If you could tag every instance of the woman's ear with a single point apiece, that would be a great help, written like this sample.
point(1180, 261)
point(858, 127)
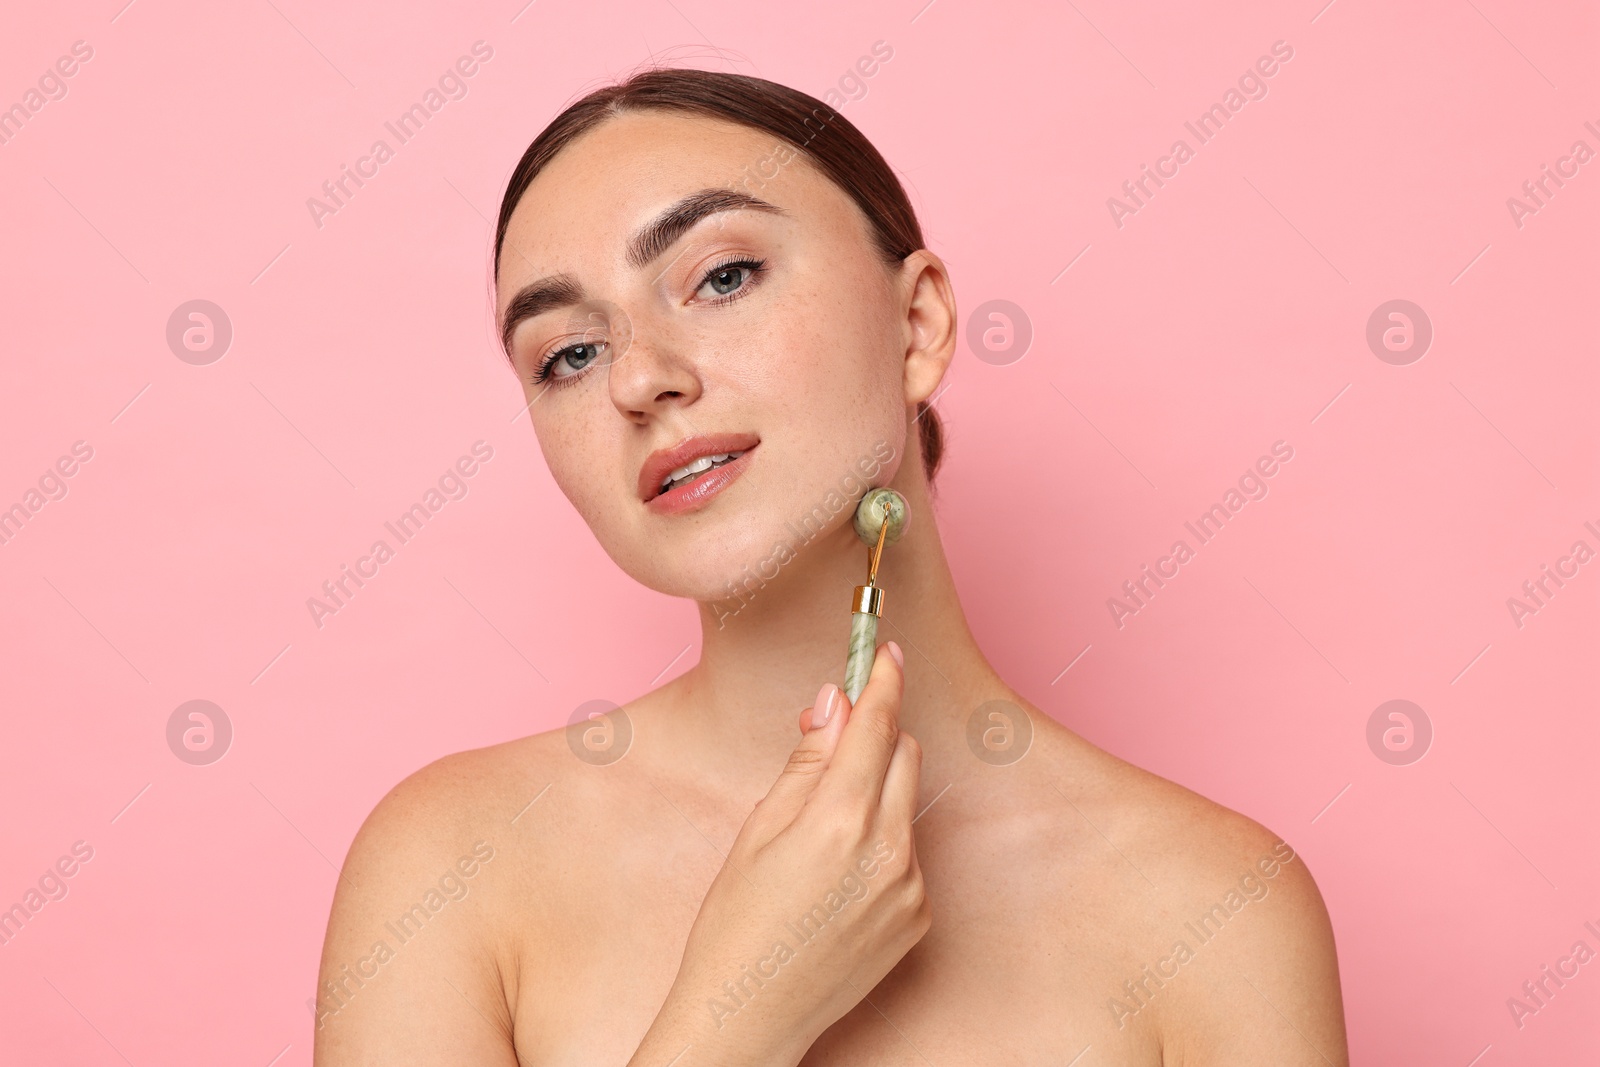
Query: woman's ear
point(930, 319)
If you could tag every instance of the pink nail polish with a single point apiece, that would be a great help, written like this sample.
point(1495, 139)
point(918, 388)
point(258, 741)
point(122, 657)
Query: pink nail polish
point(822, 710)
point(899, 657)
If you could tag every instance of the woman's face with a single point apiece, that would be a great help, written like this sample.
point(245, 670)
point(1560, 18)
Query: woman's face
point(654, 318)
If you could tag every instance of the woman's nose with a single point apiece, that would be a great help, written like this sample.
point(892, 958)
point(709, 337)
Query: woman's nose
point(649, 373)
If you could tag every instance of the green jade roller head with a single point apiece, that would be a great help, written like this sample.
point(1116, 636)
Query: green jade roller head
point(881, 517)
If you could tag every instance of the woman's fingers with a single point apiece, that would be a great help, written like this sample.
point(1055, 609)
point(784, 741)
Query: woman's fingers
point(857, 742)
point(809, 759)
point(873, 729)
point(902, 782)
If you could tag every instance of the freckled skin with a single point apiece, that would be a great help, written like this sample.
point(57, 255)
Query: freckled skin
point(806, 360)
point(1054, 880)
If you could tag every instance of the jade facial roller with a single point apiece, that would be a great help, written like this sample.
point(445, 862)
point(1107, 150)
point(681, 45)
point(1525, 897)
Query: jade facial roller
point(881, 516)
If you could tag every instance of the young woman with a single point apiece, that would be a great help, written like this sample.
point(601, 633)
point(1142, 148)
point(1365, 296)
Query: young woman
point(695, 265)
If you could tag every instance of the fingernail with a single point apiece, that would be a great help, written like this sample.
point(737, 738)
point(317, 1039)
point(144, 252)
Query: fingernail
point(899, 657)
point(822, 710)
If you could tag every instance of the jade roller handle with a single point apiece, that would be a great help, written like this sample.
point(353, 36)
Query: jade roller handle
point(881, 516)
point(863, 643)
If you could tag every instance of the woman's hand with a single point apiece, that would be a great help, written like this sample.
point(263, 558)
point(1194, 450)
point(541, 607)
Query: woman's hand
point(819, 898)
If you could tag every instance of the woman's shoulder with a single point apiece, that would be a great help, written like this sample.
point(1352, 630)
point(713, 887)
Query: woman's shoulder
point(486, 792)
point(1201, 880)
point(421, 899)
point(1184, 835)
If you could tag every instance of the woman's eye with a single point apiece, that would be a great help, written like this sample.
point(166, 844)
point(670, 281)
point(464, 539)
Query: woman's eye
point(565, 362)
point(729, 279)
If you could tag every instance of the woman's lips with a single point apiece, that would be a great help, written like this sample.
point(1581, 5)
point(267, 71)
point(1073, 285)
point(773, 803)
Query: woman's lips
point(697, 492)
point(659, 465)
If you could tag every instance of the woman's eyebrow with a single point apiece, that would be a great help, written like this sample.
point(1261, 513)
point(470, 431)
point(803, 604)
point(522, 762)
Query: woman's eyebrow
point(659, 234)
point(546, 294)
point(563, 290)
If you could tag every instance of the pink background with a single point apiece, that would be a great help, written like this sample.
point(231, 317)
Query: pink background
point(1228, 313)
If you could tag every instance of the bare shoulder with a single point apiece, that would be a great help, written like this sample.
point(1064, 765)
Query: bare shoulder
point(1182, 836)
point(417, 906)
point(480, 800)
point(463, 793)
point(1242, 965)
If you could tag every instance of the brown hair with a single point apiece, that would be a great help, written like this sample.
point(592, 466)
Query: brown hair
point(819, 132)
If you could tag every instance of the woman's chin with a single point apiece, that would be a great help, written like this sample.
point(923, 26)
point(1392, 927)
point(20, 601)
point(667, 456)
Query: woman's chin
point(712, 585)
point(735, 558)
point(715, 572)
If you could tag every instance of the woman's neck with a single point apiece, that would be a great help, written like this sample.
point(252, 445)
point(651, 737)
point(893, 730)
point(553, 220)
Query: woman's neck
point(765, 652)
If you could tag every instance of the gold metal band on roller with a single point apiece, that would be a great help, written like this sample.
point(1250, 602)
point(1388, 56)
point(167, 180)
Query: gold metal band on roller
point(868, 601)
